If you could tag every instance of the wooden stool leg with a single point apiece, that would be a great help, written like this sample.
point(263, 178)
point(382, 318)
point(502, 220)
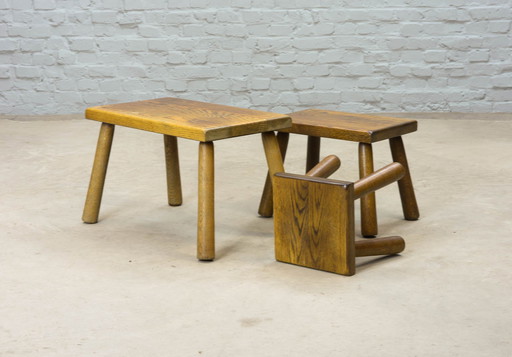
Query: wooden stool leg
point(409, 204)
point(99, 172)
point(368, 209)
point(272, 153)
point(266, 203)
point(206, 203)
point(172, 165)
point(313, 153)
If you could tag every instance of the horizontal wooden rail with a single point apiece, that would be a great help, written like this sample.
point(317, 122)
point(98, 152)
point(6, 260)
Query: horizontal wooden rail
point(380, 246)
point(378, 179)
point(326, 167)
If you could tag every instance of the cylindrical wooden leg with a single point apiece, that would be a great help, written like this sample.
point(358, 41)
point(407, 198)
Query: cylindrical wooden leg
point(266, 203)
point(409, 204)
point(272, 153)
point(172, 165)
point(313, 153)
point(99, 171)
point(368, 209)
point(206, 202)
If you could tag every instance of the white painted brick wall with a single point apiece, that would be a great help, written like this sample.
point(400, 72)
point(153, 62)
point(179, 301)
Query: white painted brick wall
point(60, 56)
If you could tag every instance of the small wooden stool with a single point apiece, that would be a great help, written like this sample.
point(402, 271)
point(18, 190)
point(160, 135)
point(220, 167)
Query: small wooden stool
point(365, 129)
point(172, 117)
point(314, 220)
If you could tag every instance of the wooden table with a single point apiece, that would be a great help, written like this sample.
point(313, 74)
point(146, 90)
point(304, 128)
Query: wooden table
point(172, 117)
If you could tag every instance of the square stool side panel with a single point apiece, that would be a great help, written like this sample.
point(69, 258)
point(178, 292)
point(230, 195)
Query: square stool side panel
point(314, 223)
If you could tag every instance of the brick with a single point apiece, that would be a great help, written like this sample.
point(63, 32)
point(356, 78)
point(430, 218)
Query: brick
point(220, 57)
point(104, 17)
point(5, 84)
point(280, 85)
point(279, 30)
point(132, 71)
point(411, 30)
point(44, 4)
point(136, 45)
point(176, 86)
point(158, 45)
point(502, 82)
point(8, 45)
point(282, 58)
point(82, 44)
point(20, 4)
point(32, 45)
point(193, 30)
point(479, 56)
point(499, 26)
point(435, 56)
point(218, 84)
point(490, 13)
point(27, 72)
point(313, 43)
point(145, 4)
point(369, 83)
point(5, 72)
point(43, 59)
point(260, 84)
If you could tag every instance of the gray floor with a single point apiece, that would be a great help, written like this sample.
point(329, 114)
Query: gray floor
point(131, 286)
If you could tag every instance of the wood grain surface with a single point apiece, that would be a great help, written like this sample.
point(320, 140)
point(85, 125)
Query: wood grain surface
point(378, 179)
point(348, 126)
point(189, 119)
point(206, 203)
point(98, 174)
point(266, 207)
point(172, 167)
point(314, 223)
point(409, 204)
point(369, 227)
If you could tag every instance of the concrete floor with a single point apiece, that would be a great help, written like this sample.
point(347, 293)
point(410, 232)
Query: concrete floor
point(131, 286)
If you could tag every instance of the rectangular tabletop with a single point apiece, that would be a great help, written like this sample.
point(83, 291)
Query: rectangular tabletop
point(189, 119)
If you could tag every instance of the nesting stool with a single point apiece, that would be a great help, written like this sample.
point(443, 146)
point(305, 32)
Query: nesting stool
point(314, 219)
point(172, 117)
point(361, 128)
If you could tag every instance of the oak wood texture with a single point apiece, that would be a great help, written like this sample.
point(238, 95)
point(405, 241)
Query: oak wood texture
point(266, 205)
point(380, 246)
point(99, 172)
point(369, 227)
point(326, 167)
point(189, 119)
point(378, 179)
point(314, 221)
point(407, 196)
point(272, 153)
point(172, 166)
point(203, 122)
point(206, 204)
point(362, 128)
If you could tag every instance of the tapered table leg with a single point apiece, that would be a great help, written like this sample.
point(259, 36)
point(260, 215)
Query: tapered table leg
point(409, 204)
point(172, 165)
point(369, 226)
point(313, 152)
point(206, 194)
point(266, 203)
point(98, 174)
point(272, 153)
